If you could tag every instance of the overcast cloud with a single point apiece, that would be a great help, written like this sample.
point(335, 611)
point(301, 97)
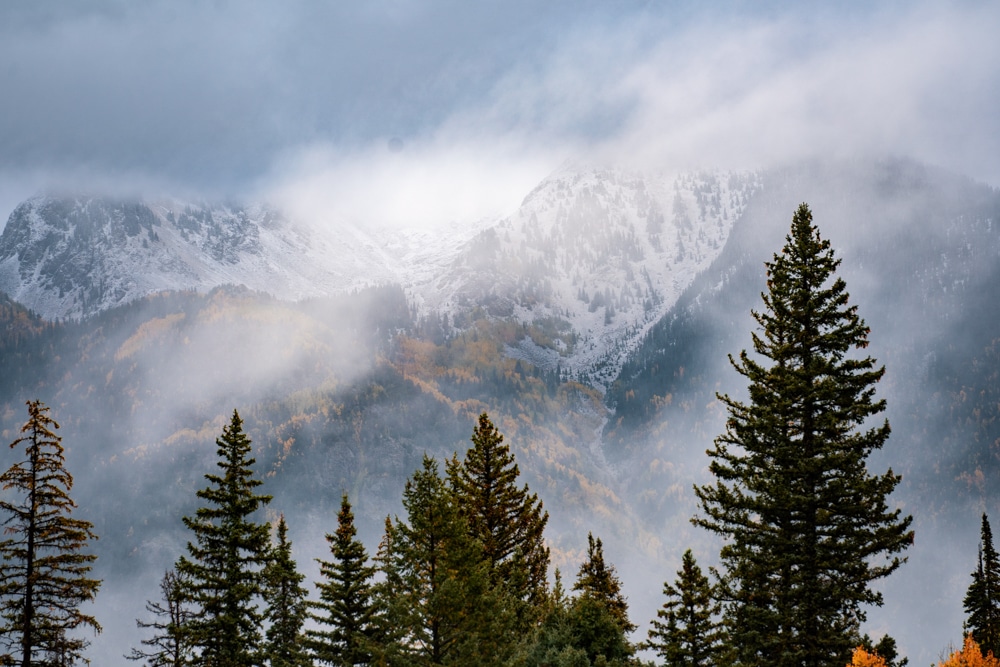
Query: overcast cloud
point(389, 109)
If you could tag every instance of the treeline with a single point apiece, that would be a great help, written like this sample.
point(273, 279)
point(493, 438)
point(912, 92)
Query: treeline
point(461, 579)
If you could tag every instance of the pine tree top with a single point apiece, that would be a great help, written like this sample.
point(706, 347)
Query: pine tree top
point(508, 520)
point(599, 580)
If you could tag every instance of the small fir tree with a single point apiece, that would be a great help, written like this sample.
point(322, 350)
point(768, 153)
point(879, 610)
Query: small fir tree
point(807, 528)
point(286, 606)
point(982, 600)
point(685, 632)
point(599, 581)
point(44, 565)
point(390, 647)
point(885, 649)
point(346, 610)
point(508, 520)
point(223, 571)
point(169, 646)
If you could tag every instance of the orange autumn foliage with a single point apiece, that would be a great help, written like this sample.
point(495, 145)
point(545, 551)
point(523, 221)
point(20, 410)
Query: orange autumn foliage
point(970, 656)
point(863, 658)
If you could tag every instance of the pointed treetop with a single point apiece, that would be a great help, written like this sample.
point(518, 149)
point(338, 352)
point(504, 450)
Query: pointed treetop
point(507, 520)
point(600, 581)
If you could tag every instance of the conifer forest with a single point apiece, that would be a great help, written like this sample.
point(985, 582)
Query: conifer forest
point(801, 513)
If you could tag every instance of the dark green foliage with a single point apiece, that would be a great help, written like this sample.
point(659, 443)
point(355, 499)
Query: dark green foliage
point(599, 581)
point(223, 573)
point(439, 599)
point(685, 632)
point(807, 528)
point(346, 611)
point(982, 600)
point(508, 521)
point(170, 646)
point(578, 633)
point(44, 564)
point(286, 606)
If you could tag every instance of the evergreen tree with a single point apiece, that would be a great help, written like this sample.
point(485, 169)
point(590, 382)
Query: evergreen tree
point(581, 632)
point(346, 607)
point(390, 647)
point(599, 581)
point(587, 630)
point(508, 521)
point(982, 600)
point(223, 573)
point(169, 647)
point(885, 651)
point(807, 527)
point(685, 632)
point(447, 612)
point(286, 611)
point(44, 566)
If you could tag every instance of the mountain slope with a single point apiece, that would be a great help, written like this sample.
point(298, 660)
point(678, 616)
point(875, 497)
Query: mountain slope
point(77, 256)
point(603, 251)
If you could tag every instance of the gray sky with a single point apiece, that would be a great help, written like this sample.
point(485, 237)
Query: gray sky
point(300, 101)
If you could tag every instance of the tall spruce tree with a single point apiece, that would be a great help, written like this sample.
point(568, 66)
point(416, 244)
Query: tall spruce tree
point(807, 528)
point(223, 571)
point(346, 610)
point(685, 632)
point(508, 520)
point(599, 581)
point(44, 565)
point(286, 605)
point(982, 600)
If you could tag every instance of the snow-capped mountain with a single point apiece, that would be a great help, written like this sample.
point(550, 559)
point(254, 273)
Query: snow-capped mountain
point(602, 253)
point(73, 257)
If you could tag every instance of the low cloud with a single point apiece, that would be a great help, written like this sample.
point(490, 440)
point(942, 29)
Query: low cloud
point(235, 100)
point(394, 184)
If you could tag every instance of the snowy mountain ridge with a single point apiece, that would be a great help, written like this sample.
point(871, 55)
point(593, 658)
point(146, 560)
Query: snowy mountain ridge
point(70, 258)
point(600, 252)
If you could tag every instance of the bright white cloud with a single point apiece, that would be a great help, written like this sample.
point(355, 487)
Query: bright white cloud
point(422, 185)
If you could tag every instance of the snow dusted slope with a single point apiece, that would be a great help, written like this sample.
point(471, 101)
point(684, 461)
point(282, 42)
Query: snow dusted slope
point(598, 255)
point(604, 251)
point(72, 257)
